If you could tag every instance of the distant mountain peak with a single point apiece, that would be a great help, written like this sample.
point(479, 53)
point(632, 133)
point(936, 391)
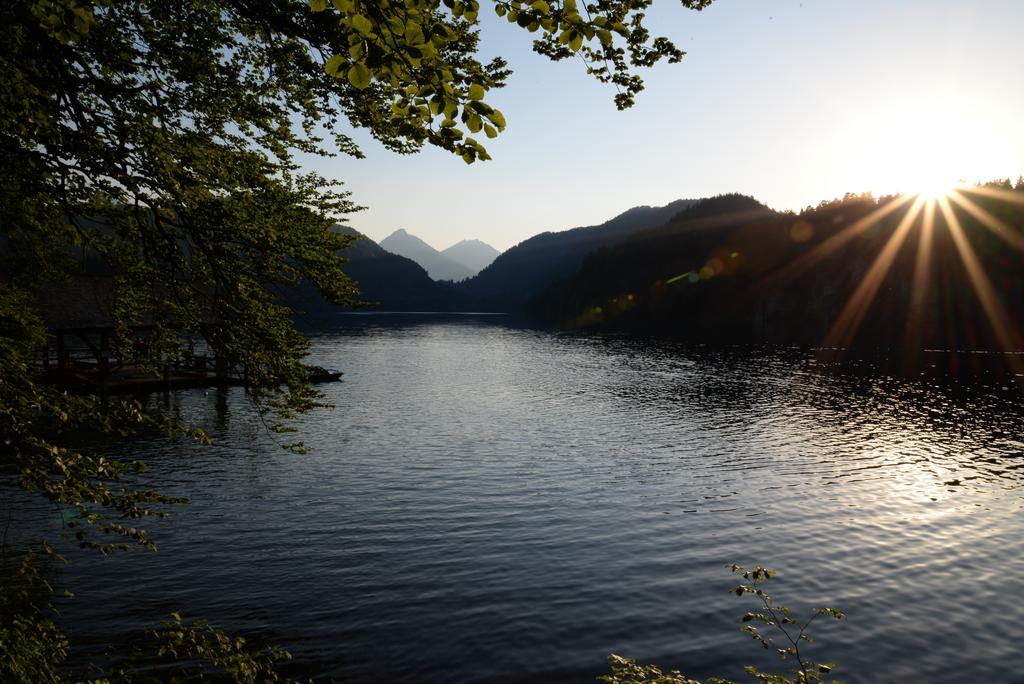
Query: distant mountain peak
point(393, 282)
point(437, 265)
point(476, 255)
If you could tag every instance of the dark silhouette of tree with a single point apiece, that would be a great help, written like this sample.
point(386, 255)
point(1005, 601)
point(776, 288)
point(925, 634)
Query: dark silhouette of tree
point(158, 139)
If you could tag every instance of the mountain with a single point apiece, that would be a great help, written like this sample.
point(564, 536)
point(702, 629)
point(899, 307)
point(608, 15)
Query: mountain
point(627, 284)
point(845, 274)
point(389, 281)
point(437, 265)
point(473, 254)
point(523, 271)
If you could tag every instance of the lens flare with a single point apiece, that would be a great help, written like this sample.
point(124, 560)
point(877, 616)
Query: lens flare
point(935, 189)
point(936, 199)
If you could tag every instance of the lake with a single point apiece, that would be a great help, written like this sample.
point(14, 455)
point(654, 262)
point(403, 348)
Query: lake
point(487, 503)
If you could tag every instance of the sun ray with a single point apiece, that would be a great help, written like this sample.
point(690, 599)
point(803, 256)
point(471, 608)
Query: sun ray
point(997, 317)
point(999, 228)
point(833, 244)
point(1016, 197)
point(922, 275)
point(849, 320)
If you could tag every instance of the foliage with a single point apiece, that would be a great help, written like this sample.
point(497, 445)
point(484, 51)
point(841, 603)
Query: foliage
point(160, 137)
point(168, 161)
point(786, 630)
point(179, 651)
point(159, 140)
point(781, 623)
point(41, 425)
point(31, 646)
point(626, 671)
point(410, 58)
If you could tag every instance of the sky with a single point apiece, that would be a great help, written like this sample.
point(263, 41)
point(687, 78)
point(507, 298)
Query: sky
point(790, 101)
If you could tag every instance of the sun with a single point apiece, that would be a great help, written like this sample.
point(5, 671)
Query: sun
point(929, 174)
point(933, 190)
point(923, 143)
point(924, 169)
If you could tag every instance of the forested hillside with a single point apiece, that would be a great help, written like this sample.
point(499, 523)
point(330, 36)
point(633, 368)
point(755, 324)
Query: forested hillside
point(523, 271)
point(859, 271)
point(386, 282)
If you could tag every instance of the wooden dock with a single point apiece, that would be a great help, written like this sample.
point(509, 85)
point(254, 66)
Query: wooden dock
point(80, 359)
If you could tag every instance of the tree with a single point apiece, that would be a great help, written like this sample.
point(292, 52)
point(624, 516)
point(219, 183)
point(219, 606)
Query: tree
point(160, 138)
point(779, 627)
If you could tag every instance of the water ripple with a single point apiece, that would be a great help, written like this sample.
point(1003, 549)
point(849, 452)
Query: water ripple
point(493, 504)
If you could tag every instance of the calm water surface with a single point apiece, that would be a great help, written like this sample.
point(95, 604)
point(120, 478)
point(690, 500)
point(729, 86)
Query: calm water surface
point(493, 504)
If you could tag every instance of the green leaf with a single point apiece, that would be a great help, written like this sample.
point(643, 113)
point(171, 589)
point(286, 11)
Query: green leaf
point(476, 92)
point(333, 65)
point(361, 24)
point(414, 34)
point(498, 119)
point(359, 76)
